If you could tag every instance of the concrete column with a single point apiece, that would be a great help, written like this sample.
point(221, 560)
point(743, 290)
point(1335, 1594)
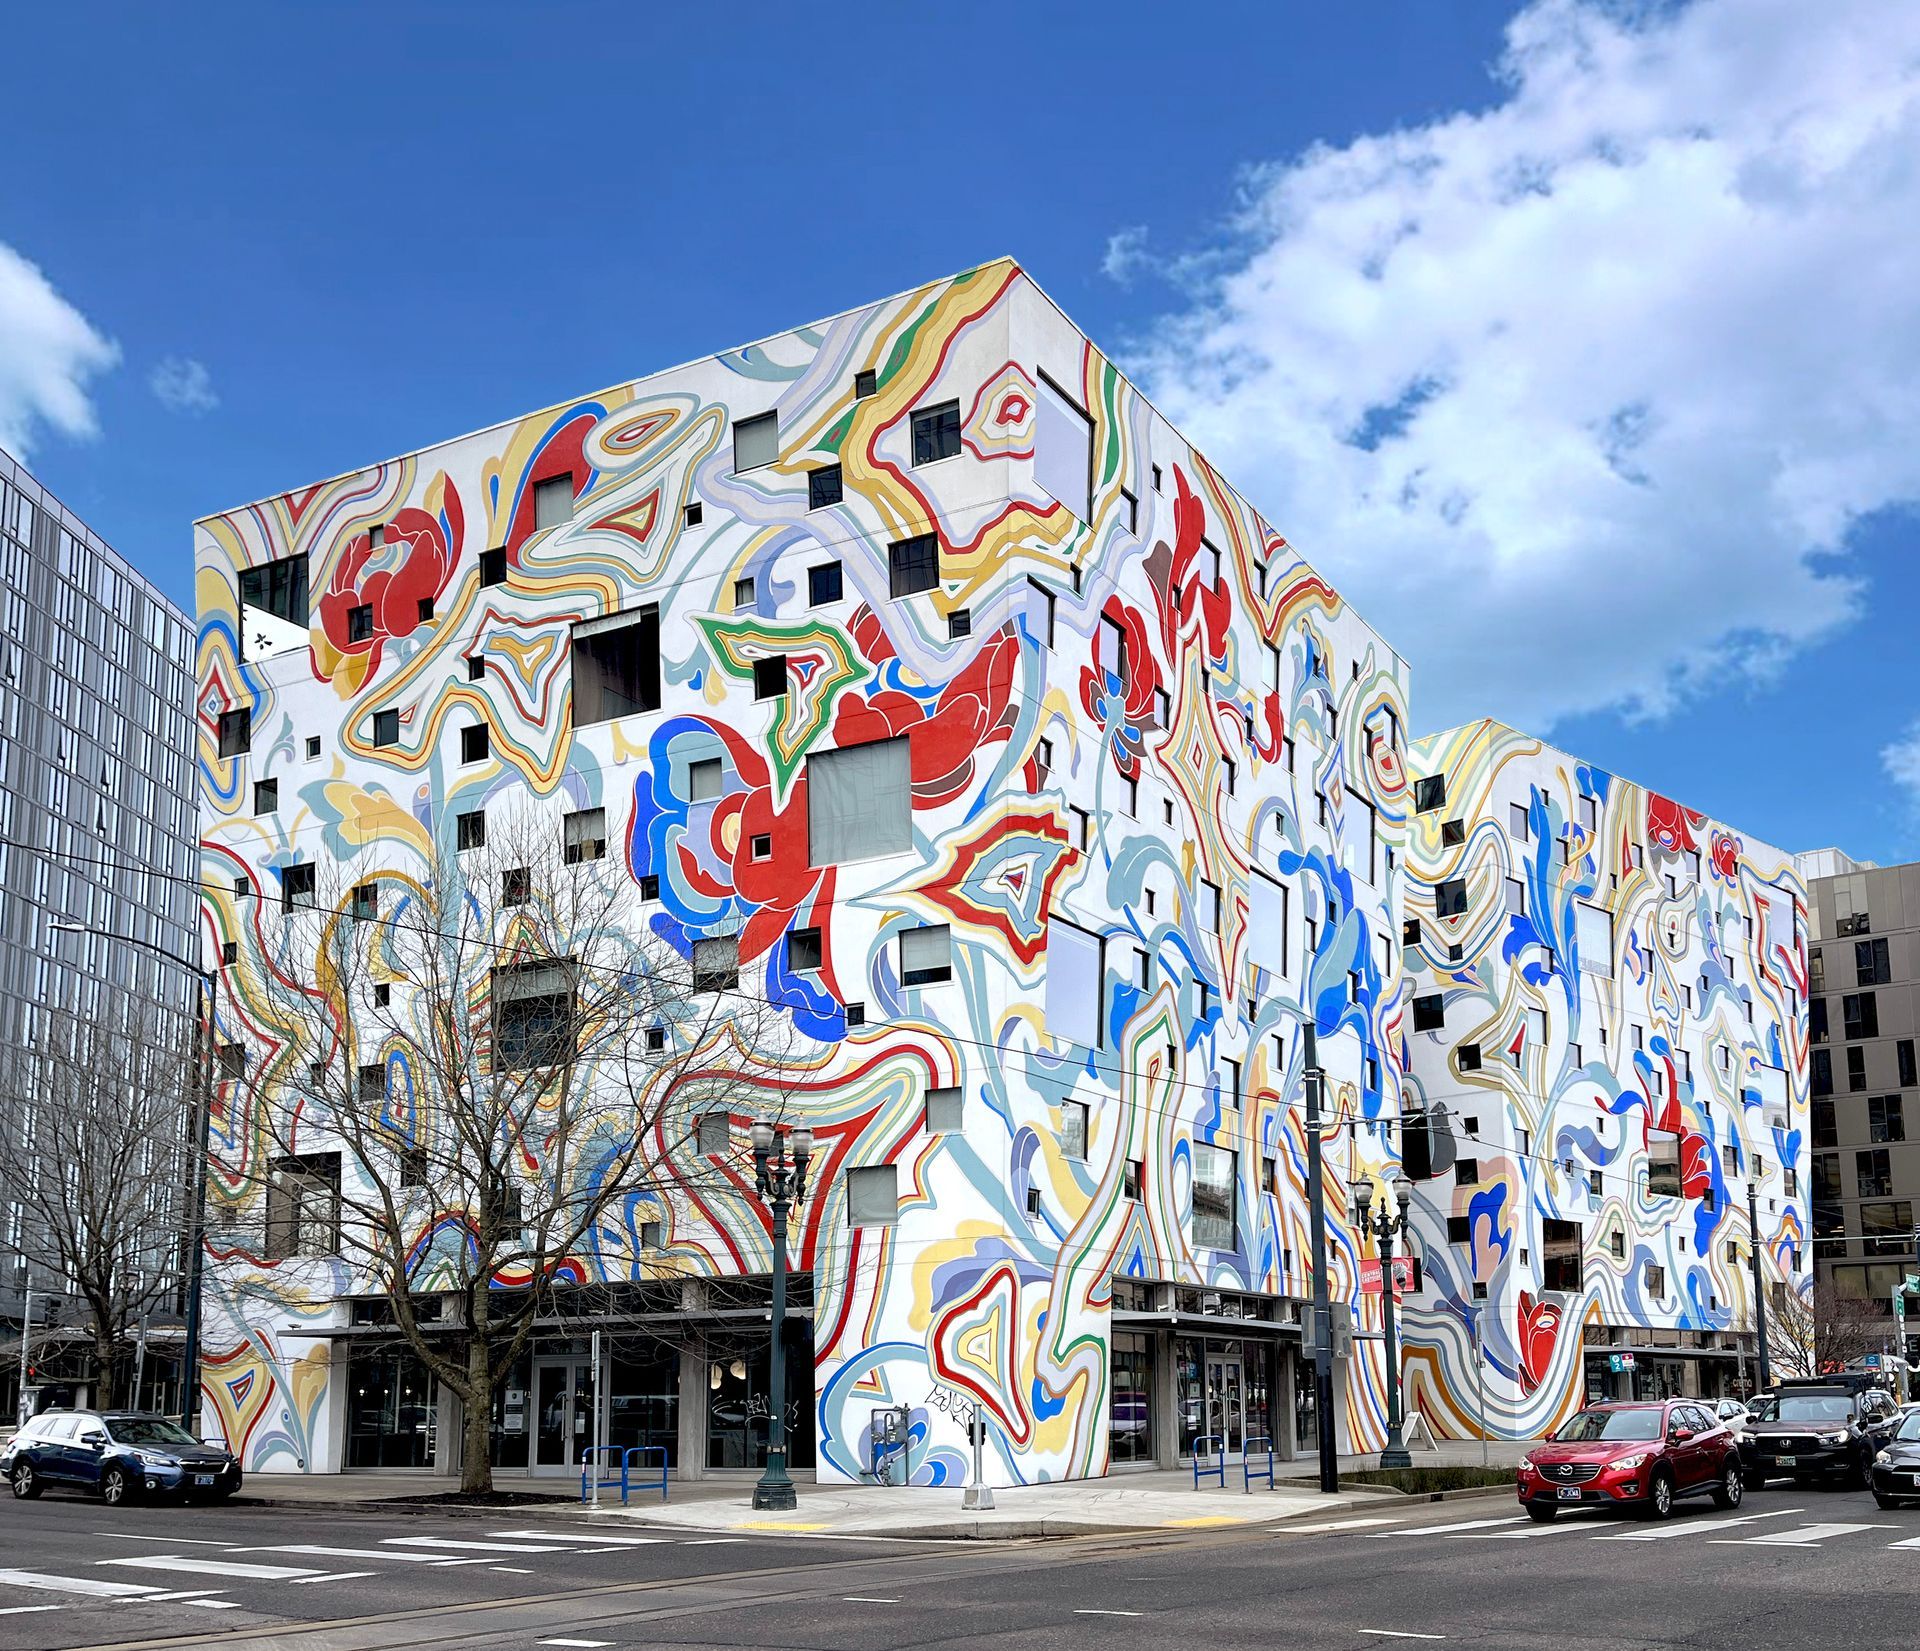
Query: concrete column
point(692, 1412)
point(1286, 1400)
point(1166, 1406)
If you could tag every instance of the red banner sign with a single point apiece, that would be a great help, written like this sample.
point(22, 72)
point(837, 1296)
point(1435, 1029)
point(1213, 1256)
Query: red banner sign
point(1403, 1279)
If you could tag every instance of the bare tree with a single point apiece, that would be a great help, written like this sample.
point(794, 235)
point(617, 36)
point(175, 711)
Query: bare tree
point(106, 1102)
point(1820, 1332)
point(489, 1076)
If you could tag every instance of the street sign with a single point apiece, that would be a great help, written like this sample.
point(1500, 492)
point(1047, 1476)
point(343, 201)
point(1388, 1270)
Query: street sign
point(1405, 1276)
point(1617, 1362)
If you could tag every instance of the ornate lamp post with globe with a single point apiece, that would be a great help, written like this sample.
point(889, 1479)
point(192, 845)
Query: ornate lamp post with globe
point(1386, 1227)
point(780, 1177)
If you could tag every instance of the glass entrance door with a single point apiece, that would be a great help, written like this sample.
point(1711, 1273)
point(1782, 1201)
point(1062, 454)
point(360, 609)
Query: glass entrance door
point(563, 1411)
point(1226, 1400)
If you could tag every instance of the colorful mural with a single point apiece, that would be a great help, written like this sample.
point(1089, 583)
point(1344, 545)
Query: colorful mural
point(1607, 1042)
point(1130, 708)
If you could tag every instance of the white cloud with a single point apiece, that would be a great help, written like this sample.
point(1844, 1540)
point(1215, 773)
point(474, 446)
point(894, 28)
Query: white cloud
point(183, 385)
point(1126, 255)
point(1901, 763)
point(1578, 396)
point(48, 352)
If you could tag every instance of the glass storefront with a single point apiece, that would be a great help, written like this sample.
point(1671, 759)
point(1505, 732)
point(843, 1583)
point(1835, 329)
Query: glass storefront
point(391, 1400)
point(1306, 1409)
point(737, 1404)
point(1223, 1388)
point(543, 1412)
point(1130, 1428)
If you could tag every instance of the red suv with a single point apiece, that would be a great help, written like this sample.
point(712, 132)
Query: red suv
point(1644, 1456)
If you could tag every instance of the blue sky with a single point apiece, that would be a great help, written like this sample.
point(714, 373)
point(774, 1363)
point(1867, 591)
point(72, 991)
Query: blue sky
point(1574, 348)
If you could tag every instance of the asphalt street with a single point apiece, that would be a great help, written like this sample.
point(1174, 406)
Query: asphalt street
point(1791, 1568)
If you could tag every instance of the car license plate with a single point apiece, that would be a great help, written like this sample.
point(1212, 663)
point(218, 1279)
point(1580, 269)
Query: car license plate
point(203, 1479)
point(1784, 1461)
point(1569, 1493)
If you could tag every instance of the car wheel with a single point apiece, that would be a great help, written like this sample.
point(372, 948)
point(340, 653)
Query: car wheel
point(26, 1483)
point(115, 1487)
point(1541, 1513)
point(1728, 1492)
point(1659, 1502)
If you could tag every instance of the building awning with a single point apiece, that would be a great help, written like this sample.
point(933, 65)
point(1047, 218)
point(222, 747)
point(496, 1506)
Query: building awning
point(651, 1323)
point(1592, 1348)
point(1209, 1324)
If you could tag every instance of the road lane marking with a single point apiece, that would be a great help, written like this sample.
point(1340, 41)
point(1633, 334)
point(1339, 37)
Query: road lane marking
point(1694, 1527)
point(211, 1567)
point(1401, 1634)
point(1806, 1536)
point(174, 1596)
point(512, 1570)
point(27, 1610)
point(587, 1643)
point(468, 1546)
point(1529, 1532)
point(214, 1604)
point(99, 1587)
point(472, 1559)
point(170, 1541)
point(1330, 1525)
point(867, 1599)
point(1097, 1611)
point(1443, 1530)
point(597, 1540)
point(1911, 1542)
point(714, 1541)
point(331, 1576)
point(345, 1553)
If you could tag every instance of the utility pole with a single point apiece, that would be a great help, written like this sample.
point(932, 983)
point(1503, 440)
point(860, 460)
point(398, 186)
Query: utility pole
point(1759, 1287)
point(26, 1342)
point(1315, 1080)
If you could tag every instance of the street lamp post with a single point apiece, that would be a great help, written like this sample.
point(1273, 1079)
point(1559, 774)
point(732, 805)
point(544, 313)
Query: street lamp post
point(1759, 1288)
point(1314, 1080)
point(203, 1107)
point(1387, 1227)
point(780, 1177)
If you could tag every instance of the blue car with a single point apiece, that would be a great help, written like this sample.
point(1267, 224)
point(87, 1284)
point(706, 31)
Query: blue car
point(119, 1453)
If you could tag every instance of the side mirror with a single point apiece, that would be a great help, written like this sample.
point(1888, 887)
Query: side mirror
point(93, 1440)
point(1680, 1435)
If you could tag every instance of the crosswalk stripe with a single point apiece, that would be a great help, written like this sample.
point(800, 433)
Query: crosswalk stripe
point(1804, 1536)
point(340, 1553)
point(330, 1576)
point(1443, 1530)
point(99, 1587)
point(27, 1610)
point(1910, 1542)
point(714, 1541)
point(211, 1567)
point(170, 1541)
point(1330, 1525)
point(1529, 1533)
point(467, 1546)
point(596, 1539)
point(1695, 1526)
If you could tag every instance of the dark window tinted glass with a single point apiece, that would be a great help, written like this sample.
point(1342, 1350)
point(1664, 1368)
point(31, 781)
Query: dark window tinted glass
point(823, 487)
point(913, 565)
point(936, 433)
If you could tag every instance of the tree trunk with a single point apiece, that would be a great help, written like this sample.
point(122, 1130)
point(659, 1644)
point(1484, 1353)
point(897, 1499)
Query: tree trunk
point(106, 1387)
point(476, 1431)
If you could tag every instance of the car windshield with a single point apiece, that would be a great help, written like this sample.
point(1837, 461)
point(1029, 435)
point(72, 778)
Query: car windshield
point(1761, 1410)
point(1909, 1426)
point(1809, 1407)
point(149, 1430)
point(1590, 1425)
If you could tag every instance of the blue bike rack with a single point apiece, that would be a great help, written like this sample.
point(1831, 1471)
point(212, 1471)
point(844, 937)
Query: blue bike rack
point(1218, 1470)
point(1260, 1444)
point(624, 1481)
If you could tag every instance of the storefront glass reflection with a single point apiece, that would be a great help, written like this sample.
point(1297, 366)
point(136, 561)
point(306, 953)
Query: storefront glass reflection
point(1130, 1431)
point(737, 1405)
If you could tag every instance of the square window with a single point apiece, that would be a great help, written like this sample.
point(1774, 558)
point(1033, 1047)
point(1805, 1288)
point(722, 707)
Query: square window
point(936, 433)
point(959, 624)
point(1133, 1180)
point(926, 955)
point(756, 441)
point(703, 780)
point(694, 514)
point(425, 609)
point(1450, 897)
point(1459, 1229)
point(825, 583)
point(475, 742)
point(297, 884)
point(856, 1015)
point(866, 382)
point(944, 1111)
point(760, 846)
point(366, 900)
point(360, 623)
point(1410, 933)
point(743, 592)
point(656, 1039)
point(313, 746)
point(1479, 1291)
point(1155, 471)
point(266, 796)
point(470, 830)
point(873, 1195)
point(713, 1134)
point(552, 502)
point(716, 964)
point(649, 886)
point(1453, 833)
point(516, 886)
point(804, 952)
point(386, 727)
point(1130, 512)
point(1469, 1057)
point(1596, 1182)
point(823, 487)
point(236, 732)
point(859, 803)
point(583, 835)
point(493, 566)
point(1430, 1013)
point(1429, 793)
point(652, 1235)
point(373, 1085)
point(1466, 1172)
point(382, 995)
point(770, 676)
point(616, 666)
point(476, 669)
point(913, 565)
point(1073, 1130)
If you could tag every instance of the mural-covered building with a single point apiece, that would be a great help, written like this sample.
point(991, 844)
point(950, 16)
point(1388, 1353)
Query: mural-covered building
point(1606, 1024)
point(987, 730)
